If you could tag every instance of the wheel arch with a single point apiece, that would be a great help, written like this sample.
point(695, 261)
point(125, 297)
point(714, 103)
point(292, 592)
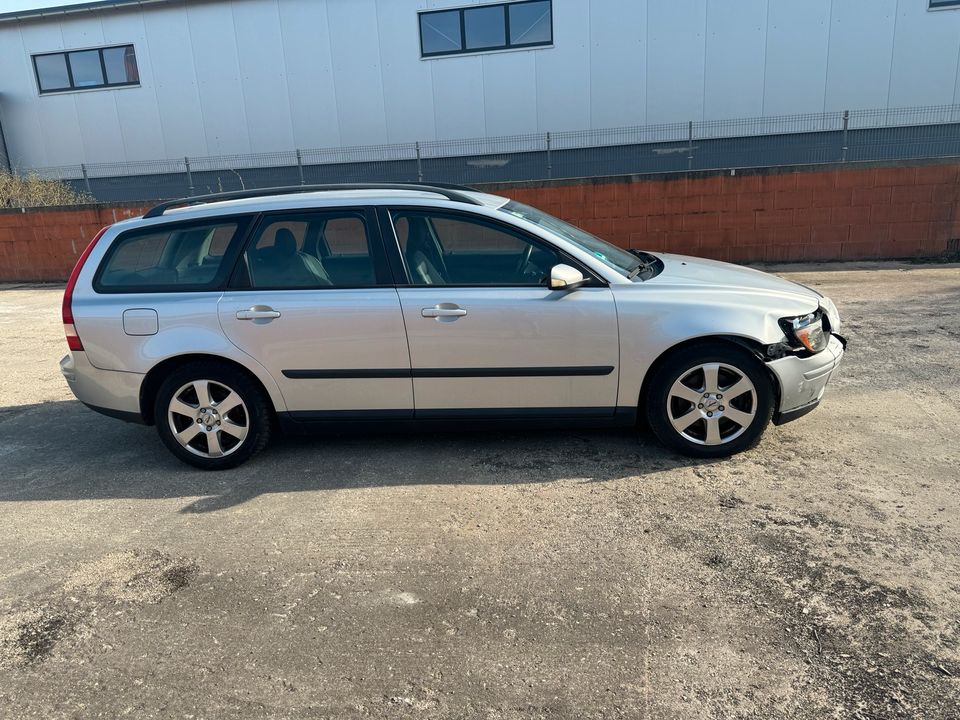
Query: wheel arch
point(754, 347)
point(155, 377)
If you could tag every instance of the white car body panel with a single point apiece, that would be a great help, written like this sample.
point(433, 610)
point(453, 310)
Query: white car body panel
point(527, 327)
point(329, 330)
point(626, 325)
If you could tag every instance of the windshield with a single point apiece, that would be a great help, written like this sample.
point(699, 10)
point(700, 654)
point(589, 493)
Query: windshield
point(624, 262)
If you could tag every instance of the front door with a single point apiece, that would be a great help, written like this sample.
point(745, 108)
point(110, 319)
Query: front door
point(487, 337)
point(314, 304)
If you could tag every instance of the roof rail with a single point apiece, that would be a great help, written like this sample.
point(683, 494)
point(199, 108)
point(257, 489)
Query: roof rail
point(451, 192)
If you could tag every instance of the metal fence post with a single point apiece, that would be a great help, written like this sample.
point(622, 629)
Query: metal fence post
point(86, 178)
point(549, 160)
point(186, 162)
point(419, 162)
point(300, 166)
point(846, 127)
point(690, 145)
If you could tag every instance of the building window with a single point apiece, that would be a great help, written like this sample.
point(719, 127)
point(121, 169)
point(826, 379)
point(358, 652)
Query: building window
point(938, 4)
point(86, 69)
point(527, 23)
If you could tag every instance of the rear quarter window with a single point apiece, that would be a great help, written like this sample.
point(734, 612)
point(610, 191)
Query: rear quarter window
point(171, 258)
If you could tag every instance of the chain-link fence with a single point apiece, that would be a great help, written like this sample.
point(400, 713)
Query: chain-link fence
point(854, 136)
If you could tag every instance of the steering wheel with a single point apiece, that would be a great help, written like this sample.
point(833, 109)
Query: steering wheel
point(524, 260)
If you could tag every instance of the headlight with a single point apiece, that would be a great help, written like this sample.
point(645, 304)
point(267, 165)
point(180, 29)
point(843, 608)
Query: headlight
point(806, 331)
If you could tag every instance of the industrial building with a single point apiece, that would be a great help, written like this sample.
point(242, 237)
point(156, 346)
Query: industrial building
point(138, 80)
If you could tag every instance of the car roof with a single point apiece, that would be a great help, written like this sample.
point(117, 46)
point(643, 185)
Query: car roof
point(324, 198)
point(339, 197)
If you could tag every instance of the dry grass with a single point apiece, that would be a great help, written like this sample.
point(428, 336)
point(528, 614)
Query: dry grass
point(33, 191)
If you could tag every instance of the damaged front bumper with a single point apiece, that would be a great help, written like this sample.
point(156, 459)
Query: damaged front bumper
point(803, 380)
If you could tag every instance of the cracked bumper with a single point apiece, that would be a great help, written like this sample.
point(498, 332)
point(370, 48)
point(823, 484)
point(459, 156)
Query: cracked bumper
point(804, 380)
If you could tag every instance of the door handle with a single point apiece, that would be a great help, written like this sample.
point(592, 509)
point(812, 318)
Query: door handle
point(258, 312)
point(443, 310)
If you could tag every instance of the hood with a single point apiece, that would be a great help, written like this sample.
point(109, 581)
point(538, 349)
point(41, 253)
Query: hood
point(697, 273)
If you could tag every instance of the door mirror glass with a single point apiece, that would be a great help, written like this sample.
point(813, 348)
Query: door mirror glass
point(564, 277)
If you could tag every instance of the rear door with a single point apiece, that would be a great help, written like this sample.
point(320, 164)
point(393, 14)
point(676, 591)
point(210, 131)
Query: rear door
point(487, 337)
point(312, 301)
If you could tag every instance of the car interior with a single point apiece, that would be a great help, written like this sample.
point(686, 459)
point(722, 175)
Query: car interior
point(190, 256)
point(331, 250)
point(446, 251)
point(312, 251)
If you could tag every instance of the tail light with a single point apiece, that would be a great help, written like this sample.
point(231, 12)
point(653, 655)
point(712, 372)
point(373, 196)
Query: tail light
point(73, 340)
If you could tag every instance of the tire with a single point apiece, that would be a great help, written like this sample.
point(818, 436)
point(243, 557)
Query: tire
point(234, 427)
point(700, 380)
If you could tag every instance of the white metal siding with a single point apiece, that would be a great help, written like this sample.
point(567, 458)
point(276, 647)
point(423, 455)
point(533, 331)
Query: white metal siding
point(238, 76)
point(794, 79)
point(736, 48)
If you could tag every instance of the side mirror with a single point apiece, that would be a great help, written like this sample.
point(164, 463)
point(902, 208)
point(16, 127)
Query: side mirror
point(564, 277)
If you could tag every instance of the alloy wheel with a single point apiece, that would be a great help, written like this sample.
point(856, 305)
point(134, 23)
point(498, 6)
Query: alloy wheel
point(712, 403)
point(208, 418)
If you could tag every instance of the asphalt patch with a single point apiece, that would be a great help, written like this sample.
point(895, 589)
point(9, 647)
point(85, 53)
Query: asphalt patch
point(31, 632)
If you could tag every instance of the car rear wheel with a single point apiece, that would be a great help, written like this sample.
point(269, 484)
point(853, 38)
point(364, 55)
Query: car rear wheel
point(212, 416)
point(710, 400)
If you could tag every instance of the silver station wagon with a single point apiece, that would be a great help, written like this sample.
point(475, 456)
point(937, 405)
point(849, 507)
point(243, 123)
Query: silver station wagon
point(222, 318)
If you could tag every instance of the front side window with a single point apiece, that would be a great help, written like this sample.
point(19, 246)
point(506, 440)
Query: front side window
point(85, 69)
point(170, 258)
point(311, 251)
point(527, 23)
point(452, 250)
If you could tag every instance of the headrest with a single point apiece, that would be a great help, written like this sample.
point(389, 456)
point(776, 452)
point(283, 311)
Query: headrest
point(284, 242)
point(417, 232)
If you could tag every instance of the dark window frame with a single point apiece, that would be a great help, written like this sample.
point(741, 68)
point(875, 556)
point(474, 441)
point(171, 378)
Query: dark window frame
point(221, 278)
point(103, 69)
point(943, 5)
point(401, 273)
point(239, 278)
point(464, 50)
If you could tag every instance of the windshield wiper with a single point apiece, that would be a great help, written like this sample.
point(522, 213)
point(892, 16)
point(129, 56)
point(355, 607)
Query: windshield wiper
point(646, 263)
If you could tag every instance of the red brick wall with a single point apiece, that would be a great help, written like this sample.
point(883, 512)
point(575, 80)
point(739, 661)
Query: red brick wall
point(767, 216)
point(755, 216)
point(42, 244)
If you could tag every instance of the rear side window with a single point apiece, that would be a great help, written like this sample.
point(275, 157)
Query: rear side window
point(312, 250)
point(171, 258)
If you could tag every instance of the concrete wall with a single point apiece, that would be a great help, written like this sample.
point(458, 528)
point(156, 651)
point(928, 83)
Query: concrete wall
point(241, 76)
point(761, 216)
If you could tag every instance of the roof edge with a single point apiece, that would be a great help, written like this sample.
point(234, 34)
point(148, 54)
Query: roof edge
point(58, 10)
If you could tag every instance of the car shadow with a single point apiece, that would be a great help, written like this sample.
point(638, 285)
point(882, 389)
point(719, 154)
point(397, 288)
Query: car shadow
point(64, 451)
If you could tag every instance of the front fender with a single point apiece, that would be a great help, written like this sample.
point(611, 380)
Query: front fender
point(652, 323)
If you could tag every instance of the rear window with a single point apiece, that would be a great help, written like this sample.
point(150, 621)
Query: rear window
point(171, 258)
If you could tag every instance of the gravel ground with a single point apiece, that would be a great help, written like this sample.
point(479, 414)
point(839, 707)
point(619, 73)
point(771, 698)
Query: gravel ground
point(496, 576)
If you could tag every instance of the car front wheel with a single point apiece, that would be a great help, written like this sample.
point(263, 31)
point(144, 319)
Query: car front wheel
point(710, 400)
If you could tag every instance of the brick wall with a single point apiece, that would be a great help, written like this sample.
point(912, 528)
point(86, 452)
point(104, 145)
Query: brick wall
point(779, 215)
point(767, 215)
point(43, 244)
